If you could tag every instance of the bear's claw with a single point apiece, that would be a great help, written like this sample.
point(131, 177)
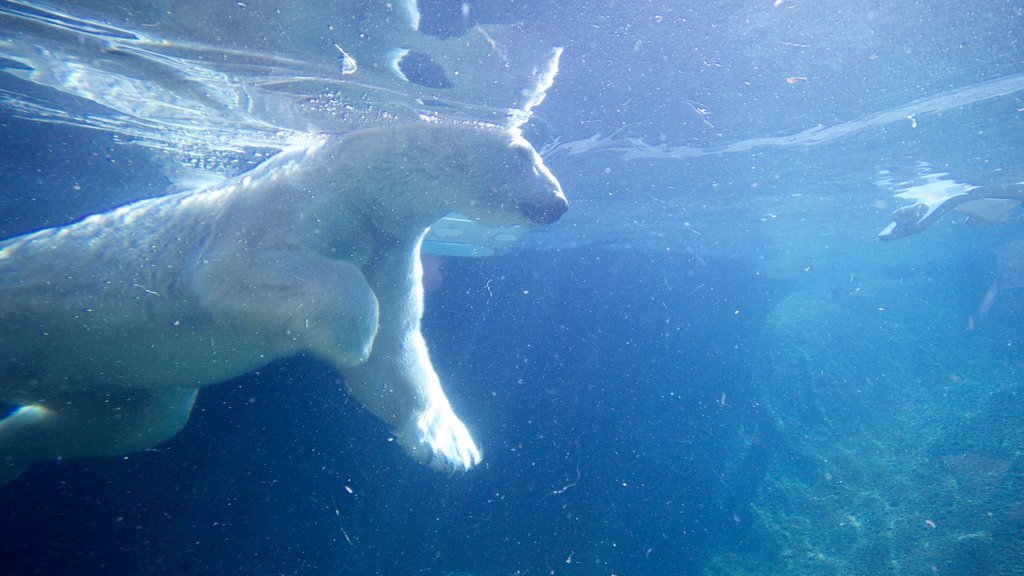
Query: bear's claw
point(440, 440)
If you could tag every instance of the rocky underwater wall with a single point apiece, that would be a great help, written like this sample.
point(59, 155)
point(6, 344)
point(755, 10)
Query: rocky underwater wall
point(886, 436)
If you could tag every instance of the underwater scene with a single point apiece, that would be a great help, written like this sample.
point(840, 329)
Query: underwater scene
point(511, 287)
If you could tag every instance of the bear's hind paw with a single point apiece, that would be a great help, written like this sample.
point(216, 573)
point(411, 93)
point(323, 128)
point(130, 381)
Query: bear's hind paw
point(437, 438)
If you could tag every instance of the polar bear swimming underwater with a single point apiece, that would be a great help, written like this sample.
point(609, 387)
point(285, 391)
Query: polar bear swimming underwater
point(109, 326)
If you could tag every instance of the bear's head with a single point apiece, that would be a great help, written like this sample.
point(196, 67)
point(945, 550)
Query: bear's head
point(411, 175)
point(495, 175)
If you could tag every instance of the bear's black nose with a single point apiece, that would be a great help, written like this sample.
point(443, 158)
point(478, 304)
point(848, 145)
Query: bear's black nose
point(544, 213)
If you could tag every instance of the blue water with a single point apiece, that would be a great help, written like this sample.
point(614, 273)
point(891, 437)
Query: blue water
point(709, 366)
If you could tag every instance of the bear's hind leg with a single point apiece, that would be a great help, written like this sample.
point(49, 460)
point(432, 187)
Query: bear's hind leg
point(104, 423)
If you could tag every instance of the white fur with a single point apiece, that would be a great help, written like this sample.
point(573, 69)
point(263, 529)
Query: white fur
point(108, 327)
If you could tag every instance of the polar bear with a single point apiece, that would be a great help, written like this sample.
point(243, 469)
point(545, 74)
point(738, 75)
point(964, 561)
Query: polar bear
point(109, 326)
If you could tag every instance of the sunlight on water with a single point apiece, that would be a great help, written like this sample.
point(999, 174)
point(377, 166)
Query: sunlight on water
point(636, 148)
point(213, 103)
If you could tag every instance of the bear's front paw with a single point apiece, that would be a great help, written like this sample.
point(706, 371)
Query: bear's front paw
point(440, 440)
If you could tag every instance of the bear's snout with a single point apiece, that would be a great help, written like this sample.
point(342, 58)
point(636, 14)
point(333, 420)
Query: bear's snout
point(545, 213)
